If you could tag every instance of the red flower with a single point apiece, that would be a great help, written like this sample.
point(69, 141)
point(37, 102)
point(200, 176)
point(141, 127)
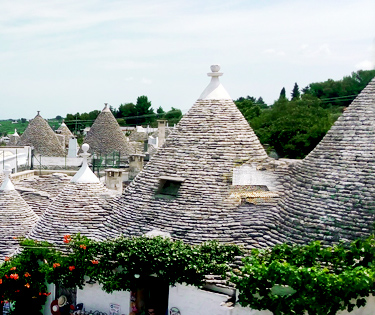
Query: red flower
point(71, 268)
point(55, 265)
point(17, 291)
point(1, 281)
point(67, 238)
point(27, 285)
point(13, 268)
point(6, 276)
point(27, 274)
point(6, 258)
point(14, 276)
point(95, 262)
point(82, 246)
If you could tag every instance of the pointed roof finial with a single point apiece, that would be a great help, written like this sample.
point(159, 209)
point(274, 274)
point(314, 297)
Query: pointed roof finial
point(106, 109)
point(38, 112)
point(16, 133)
point(215, 90)
point(85, 174)
point(7, 183)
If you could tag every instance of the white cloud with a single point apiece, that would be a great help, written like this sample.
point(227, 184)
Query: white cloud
point(146, 81)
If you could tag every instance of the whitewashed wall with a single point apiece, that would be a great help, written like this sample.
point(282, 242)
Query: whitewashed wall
point(94, 298)
point(189, 300)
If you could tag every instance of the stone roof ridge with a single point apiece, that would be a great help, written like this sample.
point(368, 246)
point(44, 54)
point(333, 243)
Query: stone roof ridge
point(215, 90)
point(85, 174)
point(7, 183)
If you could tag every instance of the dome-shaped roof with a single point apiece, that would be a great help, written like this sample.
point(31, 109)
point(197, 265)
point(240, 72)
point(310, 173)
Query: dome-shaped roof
point(81, 207)
point(331, 192)
point(185, 188)
point(64, 130)
point(41, 136)
point(105, 135)
point(16, 219)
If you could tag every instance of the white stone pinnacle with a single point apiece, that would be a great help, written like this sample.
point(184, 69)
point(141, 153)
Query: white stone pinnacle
point(215, 90)
point(7, 183)
point(106, 108)
point(85, 174)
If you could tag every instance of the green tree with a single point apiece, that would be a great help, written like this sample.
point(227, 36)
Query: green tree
point(292, 128)
point(173, 116)
point(144, 110)
point(282, 93)
point(295, 92)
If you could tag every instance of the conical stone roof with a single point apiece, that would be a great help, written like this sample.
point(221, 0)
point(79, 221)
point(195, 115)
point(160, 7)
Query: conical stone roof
point(41, 136)
point(64, 130)
point(199, 155)
point(105, 135)
point(331, 194)
point(16, 219)
point(81, 207)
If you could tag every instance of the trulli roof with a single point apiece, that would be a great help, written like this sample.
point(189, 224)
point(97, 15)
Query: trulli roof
point(80, 208)
point(200, 154)
point(40, 135)
point(331, 193)
point(16, 219)
point(64, 130)
point(105, 135)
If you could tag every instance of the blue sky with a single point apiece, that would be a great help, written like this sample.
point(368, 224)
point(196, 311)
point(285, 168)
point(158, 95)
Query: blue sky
point(70, 56)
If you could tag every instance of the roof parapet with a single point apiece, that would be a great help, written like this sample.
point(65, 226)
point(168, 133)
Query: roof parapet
point(7, 183)
point(215, 90)
point(85, 174)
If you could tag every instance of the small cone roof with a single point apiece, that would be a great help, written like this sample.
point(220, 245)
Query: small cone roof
point(331, 192)
point(80, 208)
point(64, 130)
point(199, 155)
point(41, 136)
point(16, 219)
point(105, 135)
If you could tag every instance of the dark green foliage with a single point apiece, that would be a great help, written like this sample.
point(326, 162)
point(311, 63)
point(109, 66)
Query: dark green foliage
point(321, 280)
point(282, 94)
point(341, 92)
point(292, 128)
point(295, 92)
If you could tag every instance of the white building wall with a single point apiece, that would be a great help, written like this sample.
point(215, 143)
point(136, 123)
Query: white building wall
point(94, 298)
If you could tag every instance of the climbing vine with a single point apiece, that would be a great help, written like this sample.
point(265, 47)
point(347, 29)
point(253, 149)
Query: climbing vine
point(292, 279)
point(121, 264)
point(285, 279)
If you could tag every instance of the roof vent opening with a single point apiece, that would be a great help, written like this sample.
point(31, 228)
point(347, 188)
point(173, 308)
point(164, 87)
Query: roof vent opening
point(168, 187)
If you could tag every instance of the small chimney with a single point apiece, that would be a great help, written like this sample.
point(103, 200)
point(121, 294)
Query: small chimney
point(135, 164)
point(113, 179)
point(161, 132)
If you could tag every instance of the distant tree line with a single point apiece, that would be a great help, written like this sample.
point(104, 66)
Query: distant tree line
point(291, 128)
point(127, 114)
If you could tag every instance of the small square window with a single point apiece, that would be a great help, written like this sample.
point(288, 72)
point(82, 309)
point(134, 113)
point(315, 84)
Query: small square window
point(168, 187)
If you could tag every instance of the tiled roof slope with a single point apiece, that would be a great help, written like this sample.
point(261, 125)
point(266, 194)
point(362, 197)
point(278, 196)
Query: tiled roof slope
point(105, 135)
point(39, 191)
point(81, 207)
point(16, 218)
point(202, 150)
point(64, 130)
point(40, 135)
point(331, 194)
